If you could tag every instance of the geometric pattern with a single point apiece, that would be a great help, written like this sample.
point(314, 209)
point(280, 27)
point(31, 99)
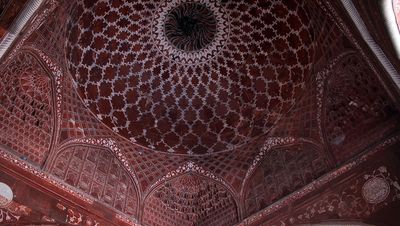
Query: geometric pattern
point(352, 104)
point(190, 199)
point(191, 32)
point(149, 72)
point(26, 108)
point(281, 172)
point(98, 173)
point(210, 106)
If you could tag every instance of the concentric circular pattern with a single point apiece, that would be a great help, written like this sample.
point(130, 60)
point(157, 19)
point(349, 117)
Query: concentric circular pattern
point(35, 86)
point(375, 190)
point(190, 102)
point(190, 32)
point(191, 26)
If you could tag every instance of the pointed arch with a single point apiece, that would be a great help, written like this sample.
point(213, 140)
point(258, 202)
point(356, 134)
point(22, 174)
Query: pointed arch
point(98, 172)
point(28, 107)
point(354, 100)
point(282, 170)
point(190, 198)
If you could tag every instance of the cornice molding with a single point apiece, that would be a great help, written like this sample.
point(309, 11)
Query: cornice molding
point(27, 13)
point(378, 52)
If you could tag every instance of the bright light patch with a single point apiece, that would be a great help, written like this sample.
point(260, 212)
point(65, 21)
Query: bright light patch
point(391, 10)
point(6, 195)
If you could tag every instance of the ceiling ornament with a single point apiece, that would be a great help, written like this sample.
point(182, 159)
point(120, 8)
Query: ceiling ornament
point(324, 180)
point(108, 143)
point(190, 199)
point(137, 67)
point(28, 107)
point(191, 32)
point(58, 77)
point(321, 77)
point(375, 190)
point(187, 168)
point(268, 145)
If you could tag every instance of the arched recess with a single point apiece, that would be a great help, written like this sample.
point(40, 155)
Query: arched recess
point(97, 172)
point(282, 171)
point(190, 199)
point(356, 108)
point(27, 107)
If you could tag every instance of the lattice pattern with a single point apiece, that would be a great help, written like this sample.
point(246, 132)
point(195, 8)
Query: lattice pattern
point(232, 166)
point(199, 107)
point(98, 173)
point(219, 103)
point(354, 101)
point(190, 200)
point(301, 121)
point(26, 108)
point(331, 40)
point(77, 121)
point(281, 172)
point(50, 36)
point(150, 166)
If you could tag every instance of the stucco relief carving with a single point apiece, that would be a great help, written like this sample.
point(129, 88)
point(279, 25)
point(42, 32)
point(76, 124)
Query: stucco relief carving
point(358, 200)
point(375, 190)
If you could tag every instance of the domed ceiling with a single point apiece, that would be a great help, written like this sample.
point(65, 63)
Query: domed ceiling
point(195, 112)
point(190, 77)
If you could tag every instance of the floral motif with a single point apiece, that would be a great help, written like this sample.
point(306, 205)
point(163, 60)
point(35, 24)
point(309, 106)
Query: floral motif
point(210, 30)
point(375, 190)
